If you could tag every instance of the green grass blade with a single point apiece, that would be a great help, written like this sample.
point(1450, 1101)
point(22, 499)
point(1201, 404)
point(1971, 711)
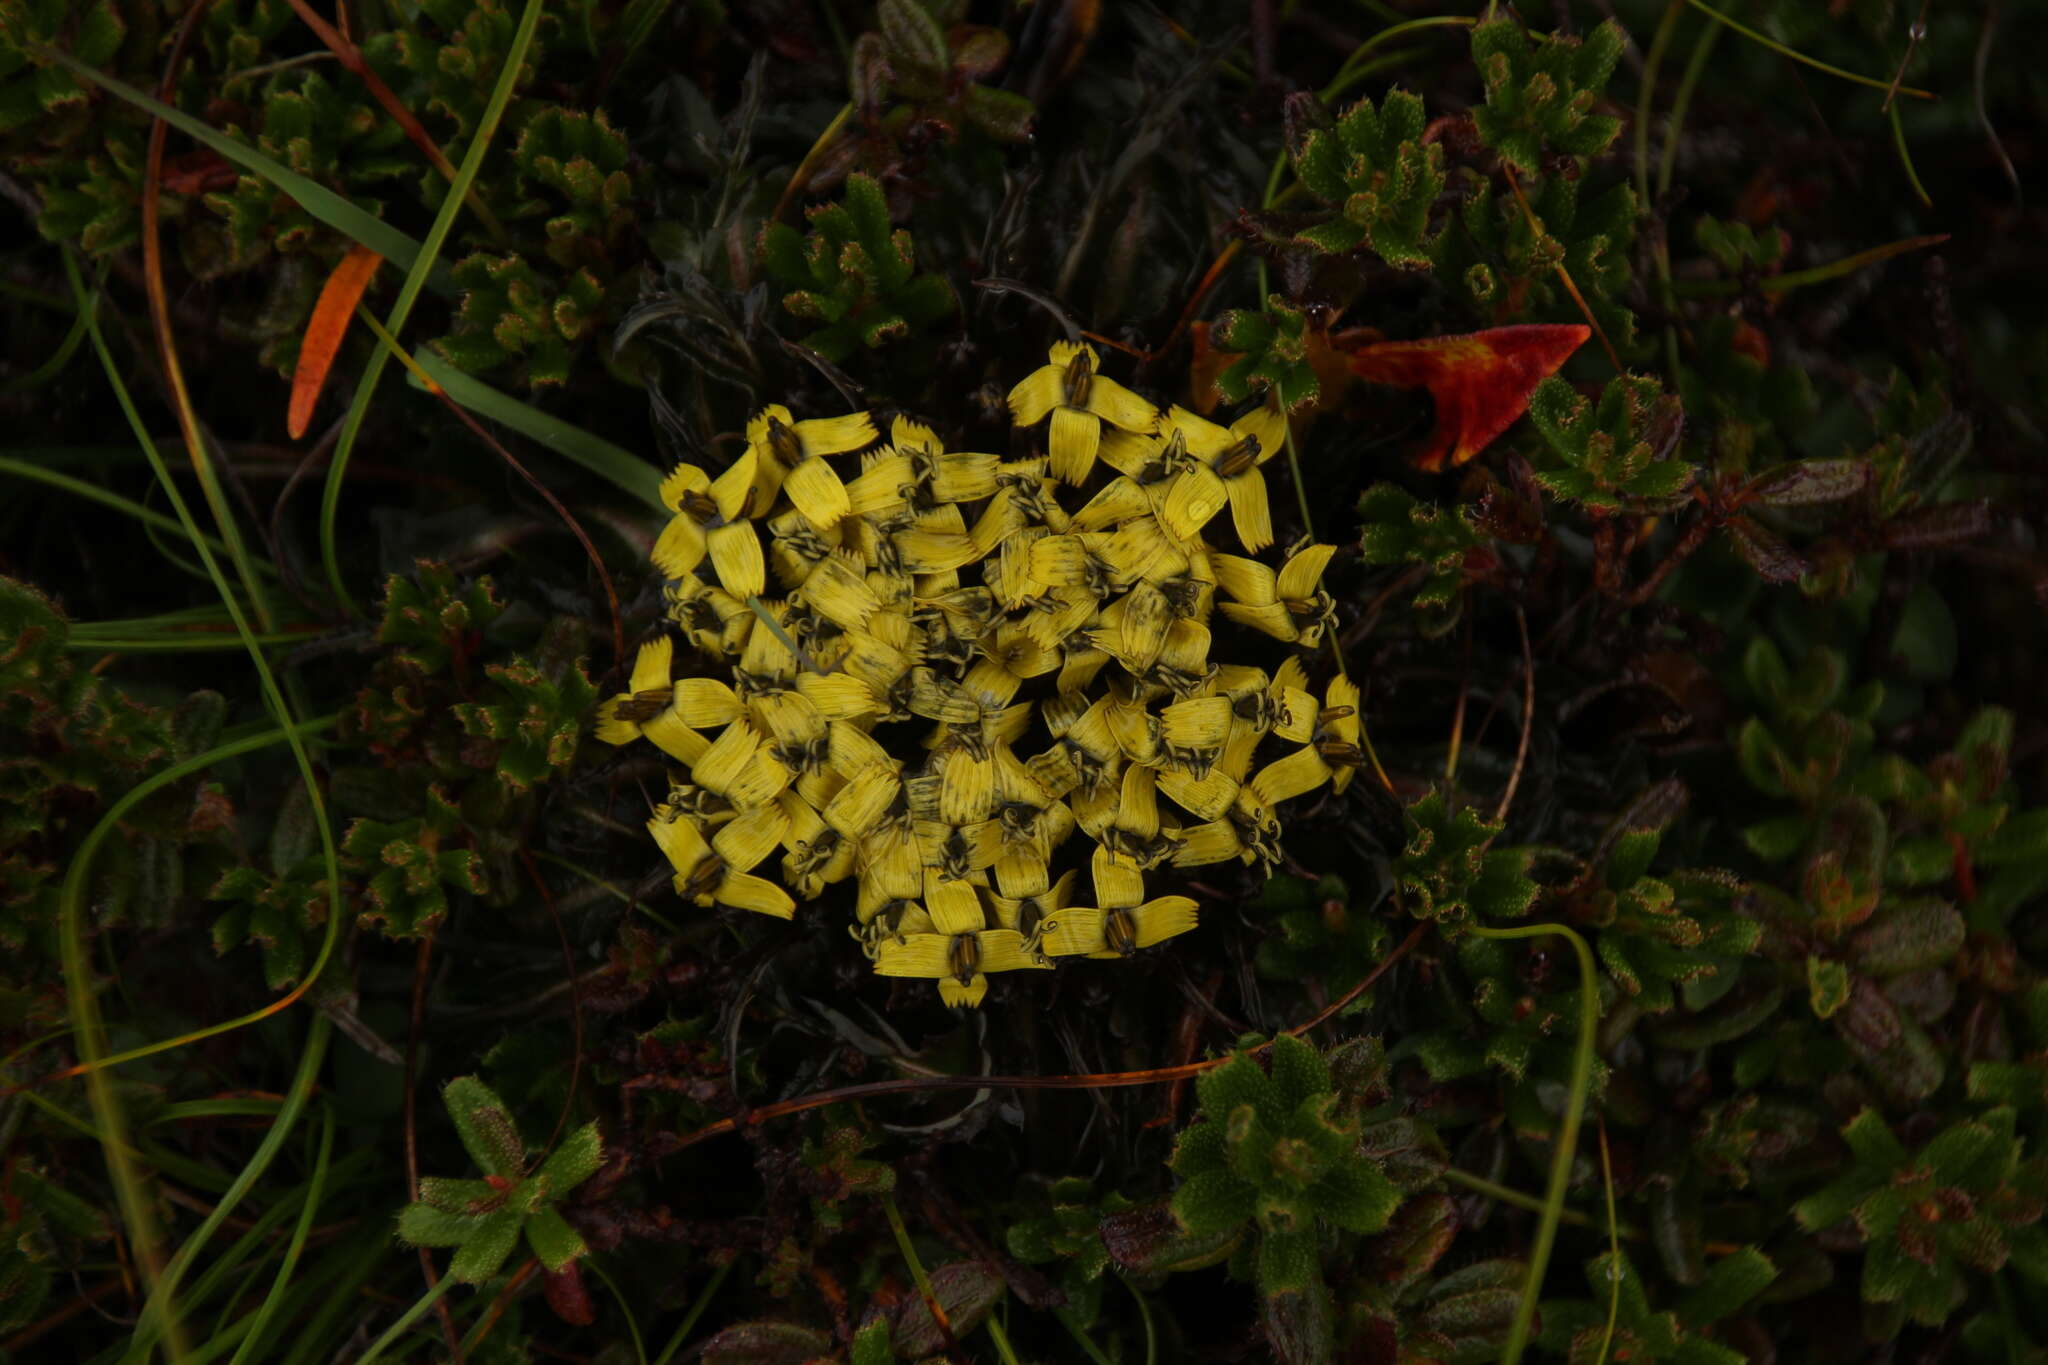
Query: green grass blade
point(1774, 45)
point(417, 273)
point(273, 696)
point(110, 1119)
point(1567, 1140)
point(407, 1319)
point(308, 1210)
point(689, 1323)
point(315, 198)
point(615, 464)
point(157, 1311)
point(25, 469)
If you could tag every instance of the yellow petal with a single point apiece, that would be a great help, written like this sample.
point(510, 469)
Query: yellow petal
point(1136, 455)
point(889, 860)
point(838, 591)
point(1249, 511)
point(1301, 771)
point(668, 733)
point(1079, 668)
point(1138, 812)
point(992, 683)
point(907, 434)
point(1147, 616)
point(653, 665)
point(1118, 881)
point(681, 481)
point(747, 488)
point(1270, 619)
point(758, 894)
point(1201, 437)
point(679, 549)
point(1073, 441)
point(1246, 580)
point(1119, 407)
point(789, 718)
point(1192, 732)
point(1300, 708)
point(917, 955)
point(1072, 932)
point(1265, 424)
point(963, 477)
point(1140, 549)
point(881, 485)
point(927, 552)
point(609, 727)
point(953, 906)
point(1022, 872)
point(1063, 561)
point(736, 559)
point(1194, 499)
point(832, 435)
point(1004, 950)
point(1302, 575)
point(705, 702)
point(1159, 920)
point(838, 696)
point(1207, 797)
point(959, 995)
point(814, 486)
point(680, 841)
point(745, 841)
point(854, 751)
point(966, 788)
point(1213, 842)
point(1038, 393)
point(1119, 500)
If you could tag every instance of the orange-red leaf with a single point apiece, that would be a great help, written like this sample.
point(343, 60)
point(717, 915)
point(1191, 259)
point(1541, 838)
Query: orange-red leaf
point(337, 304)
point(1481, 381)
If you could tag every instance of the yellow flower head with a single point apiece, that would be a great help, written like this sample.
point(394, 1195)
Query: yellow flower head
point(942, 610)
point(1223, 467)
point(789, 456)
point(1080, 401)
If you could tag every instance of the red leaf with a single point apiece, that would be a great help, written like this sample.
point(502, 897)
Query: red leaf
point(566, 1295)
point(1481, 381)
point(325, 331)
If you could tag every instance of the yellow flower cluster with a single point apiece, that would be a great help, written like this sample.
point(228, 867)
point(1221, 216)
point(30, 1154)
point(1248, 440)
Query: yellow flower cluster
point(942, 610)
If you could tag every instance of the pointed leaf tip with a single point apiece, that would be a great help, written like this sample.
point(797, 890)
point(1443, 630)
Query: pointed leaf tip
point(1481, 381)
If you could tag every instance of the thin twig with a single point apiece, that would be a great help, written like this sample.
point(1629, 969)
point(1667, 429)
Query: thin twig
point(604, 576)
point(1103, 1080)
point(1507, 797)
point(547, 898)
point(420, 967)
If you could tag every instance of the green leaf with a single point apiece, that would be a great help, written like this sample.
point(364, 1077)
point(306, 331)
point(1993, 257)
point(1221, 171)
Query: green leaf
point(485, 1249)
point(1298, 1072)
point(1236, 1083)
point(1289, 1262)
point(1827, 984)
point(1213, 1202)
point(1356, 1197)
point(577, 1159)
point(485, 1127)
point(423, 1225)
point(1731, 1282)
point(552, 1239)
